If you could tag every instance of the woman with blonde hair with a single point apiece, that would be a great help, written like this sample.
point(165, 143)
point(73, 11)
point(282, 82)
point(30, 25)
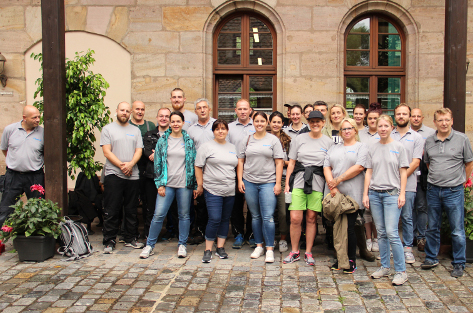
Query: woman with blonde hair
point(385, 194)
point(343, 170)
point(335, 115)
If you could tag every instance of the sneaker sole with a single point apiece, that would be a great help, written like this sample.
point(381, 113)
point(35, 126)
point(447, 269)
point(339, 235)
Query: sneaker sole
point(134, 247)
point(222, 257)
point(107, 252)
point(181, 256)
point(428, 267)
point(269, 261)
point(410, 261)
point(207, 261)
point(399, 284)
point(349, 272)
point(145, 257)
point(294, 260)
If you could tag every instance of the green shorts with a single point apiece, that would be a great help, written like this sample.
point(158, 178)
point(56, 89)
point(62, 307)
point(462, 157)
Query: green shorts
point(301, 201)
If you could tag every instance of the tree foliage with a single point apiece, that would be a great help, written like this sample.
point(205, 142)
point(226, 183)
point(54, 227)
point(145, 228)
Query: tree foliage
point(86, 110)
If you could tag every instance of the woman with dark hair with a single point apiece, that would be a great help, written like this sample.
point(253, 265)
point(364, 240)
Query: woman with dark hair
point(307, 109)
point(174, 158)
point(359, 114)
point(215, 165)
point(259, 172)
point(276, 124)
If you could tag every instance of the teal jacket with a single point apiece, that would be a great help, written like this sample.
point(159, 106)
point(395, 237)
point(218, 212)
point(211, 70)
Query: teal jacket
point(160, 160)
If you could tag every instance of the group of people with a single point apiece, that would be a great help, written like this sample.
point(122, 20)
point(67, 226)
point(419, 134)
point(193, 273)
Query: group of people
point(357, 172)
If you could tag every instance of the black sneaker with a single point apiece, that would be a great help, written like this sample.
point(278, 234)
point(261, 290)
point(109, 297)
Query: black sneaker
point(352, 268)
point(134, 244)
point(428, 264)
point(207, 256)
point(221, 253)
point(334, 266)
point(457, 270)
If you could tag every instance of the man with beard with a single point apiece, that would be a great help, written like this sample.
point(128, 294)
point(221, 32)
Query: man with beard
point(414, 144)
point(178, 99)
point(137, 119)
point(23, 147)
point(122, 146)
point(419, 213)
point(200, 132)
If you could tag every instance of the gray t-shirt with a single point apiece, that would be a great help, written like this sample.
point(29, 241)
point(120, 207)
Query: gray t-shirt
point(447, 159)
point(176, 163)
point(237, 132)
point(260, 167)
point(425, 132)
point(201, 133)
point(124, 140)
point(367, 138)
point(414, 145)
point(25, 151)
point(291, 132)
point(340, 158)
point(218, 163)
point(386, 160)
point(310, 152)
point(190, 119)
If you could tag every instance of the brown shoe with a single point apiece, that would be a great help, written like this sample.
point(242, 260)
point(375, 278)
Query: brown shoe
point(361, 243)
point(421, 244)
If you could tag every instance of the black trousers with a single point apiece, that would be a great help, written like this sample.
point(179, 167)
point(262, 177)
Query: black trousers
point(17, 183)
point(120, 194)
point(201, 216)
point(143, 195)
point(238, 219)
point(351, 219)
point(148, 210)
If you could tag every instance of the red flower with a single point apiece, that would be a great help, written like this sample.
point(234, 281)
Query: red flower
point(6, 228)
point(469, 183)
point(38, 188)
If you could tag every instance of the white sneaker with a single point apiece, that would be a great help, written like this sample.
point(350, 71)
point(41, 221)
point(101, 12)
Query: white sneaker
point(182, 251)
point(399, 278)
point(283, 246)
point(408, 256)
point(375, 246)
point(381, 272)
point(269, 256)
point(259, 251)
point(147, 251)
point(369, 244)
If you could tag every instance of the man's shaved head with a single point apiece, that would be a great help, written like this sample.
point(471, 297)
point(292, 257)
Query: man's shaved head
point(29, 110)
point(124, 103)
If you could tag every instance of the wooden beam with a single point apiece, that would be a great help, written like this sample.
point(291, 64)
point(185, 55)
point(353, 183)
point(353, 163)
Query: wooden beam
point(456, 15)
point(54, 95)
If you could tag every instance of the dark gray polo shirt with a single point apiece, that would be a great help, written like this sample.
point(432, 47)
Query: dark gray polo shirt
point(25, 151)
point(414, 145)
point(447, 159)
point(201, 133)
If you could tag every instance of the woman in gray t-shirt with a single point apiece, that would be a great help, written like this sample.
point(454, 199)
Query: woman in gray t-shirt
point(343, 167)
point(384, 194)
point(259, 172)
point(215, 165)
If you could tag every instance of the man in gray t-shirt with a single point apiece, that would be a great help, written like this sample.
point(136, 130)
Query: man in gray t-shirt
point(413, 144)
point(178, 98)
point(122, 146)
point(23, 147)
point(449, 156)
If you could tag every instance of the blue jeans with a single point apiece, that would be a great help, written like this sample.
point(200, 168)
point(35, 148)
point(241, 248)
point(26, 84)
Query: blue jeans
point(183, 198)
point(406, 218)
point(419, 213)
point(385, 212)
point(261, 202)
point(452, 200)
point(219, 210)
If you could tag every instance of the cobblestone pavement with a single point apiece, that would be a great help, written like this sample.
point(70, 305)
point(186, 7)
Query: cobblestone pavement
point(164, 283)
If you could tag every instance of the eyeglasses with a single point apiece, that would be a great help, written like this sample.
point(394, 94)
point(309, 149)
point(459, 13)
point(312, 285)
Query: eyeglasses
point(347, 129)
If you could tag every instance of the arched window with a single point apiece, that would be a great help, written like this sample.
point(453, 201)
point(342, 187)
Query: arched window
point(375, 63)
point(244, 62)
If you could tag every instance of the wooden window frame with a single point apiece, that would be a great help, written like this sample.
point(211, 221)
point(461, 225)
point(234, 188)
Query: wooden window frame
point(374, 71)
point(244, 69)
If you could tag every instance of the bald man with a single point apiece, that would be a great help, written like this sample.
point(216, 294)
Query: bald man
point(122, 145)
point(23, 147)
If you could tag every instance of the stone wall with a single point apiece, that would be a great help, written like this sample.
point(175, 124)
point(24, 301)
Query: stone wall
point(170, 42)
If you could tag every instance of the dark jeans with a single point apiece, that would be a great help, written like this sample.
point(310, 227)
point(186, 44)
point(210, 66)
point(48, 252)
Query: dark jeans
point(17, 183)
point(452, 200)
point(419, 214)
point(219, 210)
point(238, 219)
point(120, 194)
point(148, 211)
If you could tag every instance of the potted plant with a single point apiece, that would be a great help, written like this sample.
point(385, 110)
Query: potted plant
point(34, 227)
